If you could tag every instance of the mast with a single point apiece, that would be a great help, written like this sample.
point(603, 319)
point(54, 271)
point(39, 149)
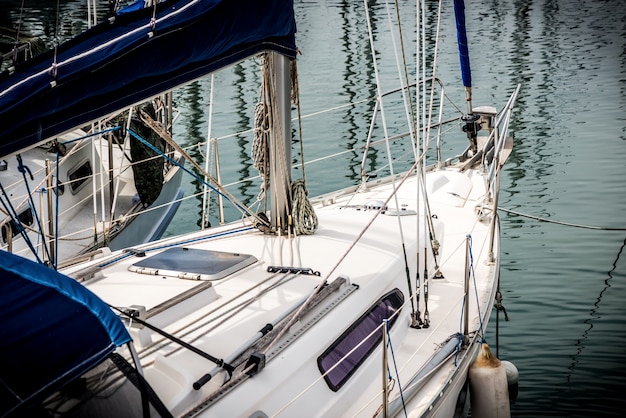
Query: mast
point(280, 143)
point(470, 120)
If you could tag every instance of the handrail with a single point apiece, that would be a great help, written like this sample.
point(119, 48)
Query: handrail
point(502, 120)
point(496, 165)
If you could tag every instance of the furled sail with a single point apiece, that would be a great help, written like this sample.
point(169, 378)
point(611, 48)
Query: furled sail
point(132, 57)
point(471, 124)
point(461, 33)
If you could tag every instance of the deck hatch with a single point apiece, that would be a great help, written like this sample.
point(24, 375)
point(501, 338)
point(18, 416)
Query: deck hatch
point(193, 263)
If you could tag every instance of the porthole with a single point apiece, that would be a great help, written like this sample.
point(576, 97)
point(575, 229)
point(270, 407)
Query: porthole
point(79, 176)
point(26, 218)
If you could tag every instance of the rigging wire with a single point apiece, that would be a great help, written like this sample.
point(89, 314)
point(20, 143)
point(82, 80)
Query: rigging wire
point(388, 149)
point(53, 66)
point(395, 366)
point(473, 274)
point(24, 170)
point(56, 210)
point(295, 99)
point(206, 194)
point(16, 222)
point(17, 33)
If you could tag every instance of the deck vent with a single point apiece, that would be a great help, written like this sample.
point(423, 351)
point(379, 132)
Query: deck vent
point(375, 205)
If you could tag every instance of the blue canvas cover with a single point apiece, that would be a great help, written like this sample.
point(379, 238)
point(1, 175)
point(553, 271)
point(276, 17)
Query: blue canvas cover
point(461, 34)
point(52, 330)
point(132, 58)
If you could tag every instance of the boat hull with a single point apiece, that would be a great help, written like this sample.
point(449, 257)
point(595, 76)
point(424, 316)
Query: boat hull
point(81, 212)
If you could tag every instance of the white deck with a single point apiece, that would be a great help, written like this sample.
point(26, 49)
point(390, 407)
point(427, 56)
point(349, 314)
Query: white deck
point(218, 316)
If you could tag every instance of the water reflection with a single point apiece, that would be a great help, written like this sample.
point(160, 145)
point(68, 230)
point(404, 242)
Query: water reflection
point(189, 100)
point(235, 94)
point(357, 82)
point(533, 149)
point(594, 314)
point(50, 20)
point(245, 96)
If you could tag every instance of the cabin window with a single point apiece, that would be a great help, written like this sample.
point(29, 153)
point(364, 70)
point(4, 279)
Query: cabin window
point(385, 308)
point(79, 176)
point(58, 188)
point(26, 218)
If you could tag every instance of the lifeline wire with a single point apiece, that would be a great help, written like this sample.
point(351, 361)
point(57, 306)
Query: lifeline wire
point(191, 173)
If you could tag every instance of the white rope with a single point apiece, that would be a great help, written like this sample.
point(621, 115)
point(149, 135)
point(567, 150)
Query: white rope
point(303, 216)
point(260, 142)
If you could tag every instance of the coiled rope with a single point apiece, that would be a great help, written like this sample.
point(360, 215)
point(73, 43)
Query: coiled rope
point(304, 218)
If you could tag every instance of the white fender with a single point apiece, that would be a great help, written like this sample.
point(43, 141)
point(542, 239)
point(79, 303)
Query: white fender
point(512, 378)
point(489, 392)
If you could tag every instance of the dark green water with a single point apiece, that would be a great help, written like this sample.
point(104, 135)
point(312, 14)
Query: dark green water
point(564, 285)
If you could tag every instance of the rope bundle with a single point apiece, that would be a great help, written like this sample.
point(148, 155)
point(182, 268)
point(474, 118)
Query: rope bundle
point(303, 217)
point(260, 142)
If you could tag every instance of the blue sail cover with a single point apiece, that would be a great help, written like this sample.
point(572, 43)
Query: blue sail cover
point(132, 58)
point(461, 34)
point(52, 330)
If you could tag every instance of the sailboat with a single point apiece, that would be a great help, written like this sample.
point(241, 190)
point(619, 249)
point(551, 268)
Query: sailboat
point(84, 191)
point(371, 300)
point(69, 191)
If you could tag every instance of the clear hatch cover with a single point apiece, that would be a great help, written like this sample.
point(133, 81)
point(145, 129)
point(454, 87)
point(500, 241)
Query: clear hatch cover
point(193, 263)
